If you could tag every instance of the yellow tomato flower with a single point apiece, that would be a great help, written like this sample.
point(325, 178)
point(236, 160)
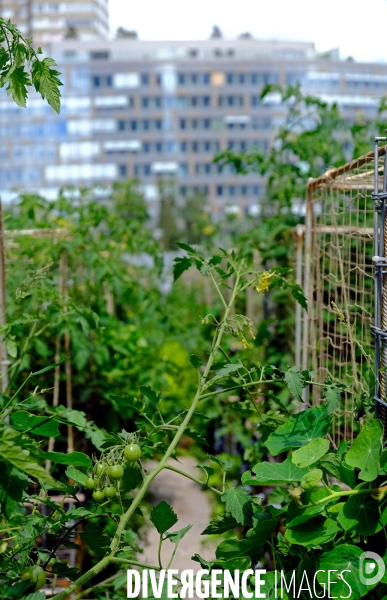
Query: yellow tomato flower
point(264, 282)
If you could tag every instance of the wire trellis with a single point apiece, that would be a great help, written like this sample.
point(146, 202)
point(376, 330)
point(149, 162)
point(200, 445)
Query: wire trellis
point(334, 337)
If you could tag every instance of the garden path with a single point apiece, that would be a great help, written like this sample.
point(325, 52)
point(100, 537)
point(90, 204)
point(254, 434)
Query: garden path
point(192, 505)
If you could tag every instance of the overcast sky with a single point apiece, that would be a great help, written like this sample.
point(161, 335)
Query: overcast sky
point(357, 28)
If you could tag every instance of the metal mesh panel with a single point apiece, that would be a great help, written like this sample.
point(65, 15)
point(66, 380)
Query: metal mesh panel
point(338, 281)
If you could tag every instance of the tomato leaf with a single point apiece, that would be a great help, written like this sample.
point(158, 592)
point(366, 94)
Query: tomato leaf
point(76, 459)
point(25, 421)
point(163, 517)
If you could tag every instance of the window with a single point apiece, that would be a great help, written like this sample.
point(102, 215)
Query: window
point(230, 78)
point(126, 80)
point(255, 100)
point(206, 78)
point(99, 55)
point(101, 81)
point(181, 79)
point(78, 150)
point(122, 170)
point(219, 190)
point(207, 123)
point(254, 78)
point(144, 78)
point(144, 102)
point(67, 173)
point(183, 146)
point(146, 146)
point(182, 123)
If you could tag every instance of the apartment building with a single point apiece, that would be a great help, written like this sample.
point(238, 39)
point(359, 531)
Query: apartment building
point(146, 110)
point(48, 21)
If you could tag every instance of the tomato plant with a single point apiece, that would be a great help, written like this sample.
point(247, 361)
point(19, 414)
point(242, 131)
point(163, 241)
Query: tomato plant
point(302, 522)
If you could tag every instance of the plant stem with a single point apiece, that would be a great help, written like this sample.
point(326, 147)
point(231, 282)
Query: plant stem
point(195, 479)
point(125, 518)
point(159, 551)
point(381, 490)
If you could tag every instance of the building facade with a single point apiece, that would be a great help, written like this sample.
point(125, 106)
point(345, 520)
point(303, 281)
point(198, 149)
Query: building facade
point(146, 110)
point(48, 21)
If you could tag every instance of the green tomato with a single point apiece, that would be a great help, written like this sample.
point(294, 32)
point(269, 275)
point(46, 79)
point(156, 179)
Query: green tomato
point(132, 452)
point(26, 575)
point(115, 471)
point(98, 495)
point(109, 491)
point(90, 483)
point(100, 468)
point(38, 576)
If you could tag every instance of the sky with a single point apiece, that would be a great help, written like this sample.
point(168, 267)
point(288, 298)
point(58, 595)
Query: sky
point(356, 27)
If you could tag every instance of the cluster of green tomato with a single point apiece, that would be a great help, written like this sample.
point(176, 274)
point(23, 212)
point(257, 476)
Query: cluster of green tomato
point(110, 470)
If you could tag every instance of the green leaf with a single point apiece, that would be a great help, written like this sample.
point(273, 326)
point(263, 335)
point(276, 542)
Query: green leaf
point(299, 430)
point(150, 394)
point(319, 531)
point(77, 513)
point(366, 450)
point(195, 361)
point(332, 395)
point(225, 371)
point(296, 514)
point(11, 348)
point(176, 536)
point(131, 479)
point(36, 596)
point(76, 475)
point(295, 382)
point(163, 517)
point(238, 503)
point(362, 514)
point(63, 570)
point(13, 481)
point(230, 549)
point(46, 426)
point(297, 292)
point(311, 453)
point(194, 435)
point(96, 538)
point(254, 543)
point(12, 451)
point(333, 465)
point(221, 524)
point(181, 265)
point(268, 473)
point(18, 80)
point(76, 459)
point(46, 81)
point(208, 470)
point(344, 557)
point(50, 367)
point(186, 247)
